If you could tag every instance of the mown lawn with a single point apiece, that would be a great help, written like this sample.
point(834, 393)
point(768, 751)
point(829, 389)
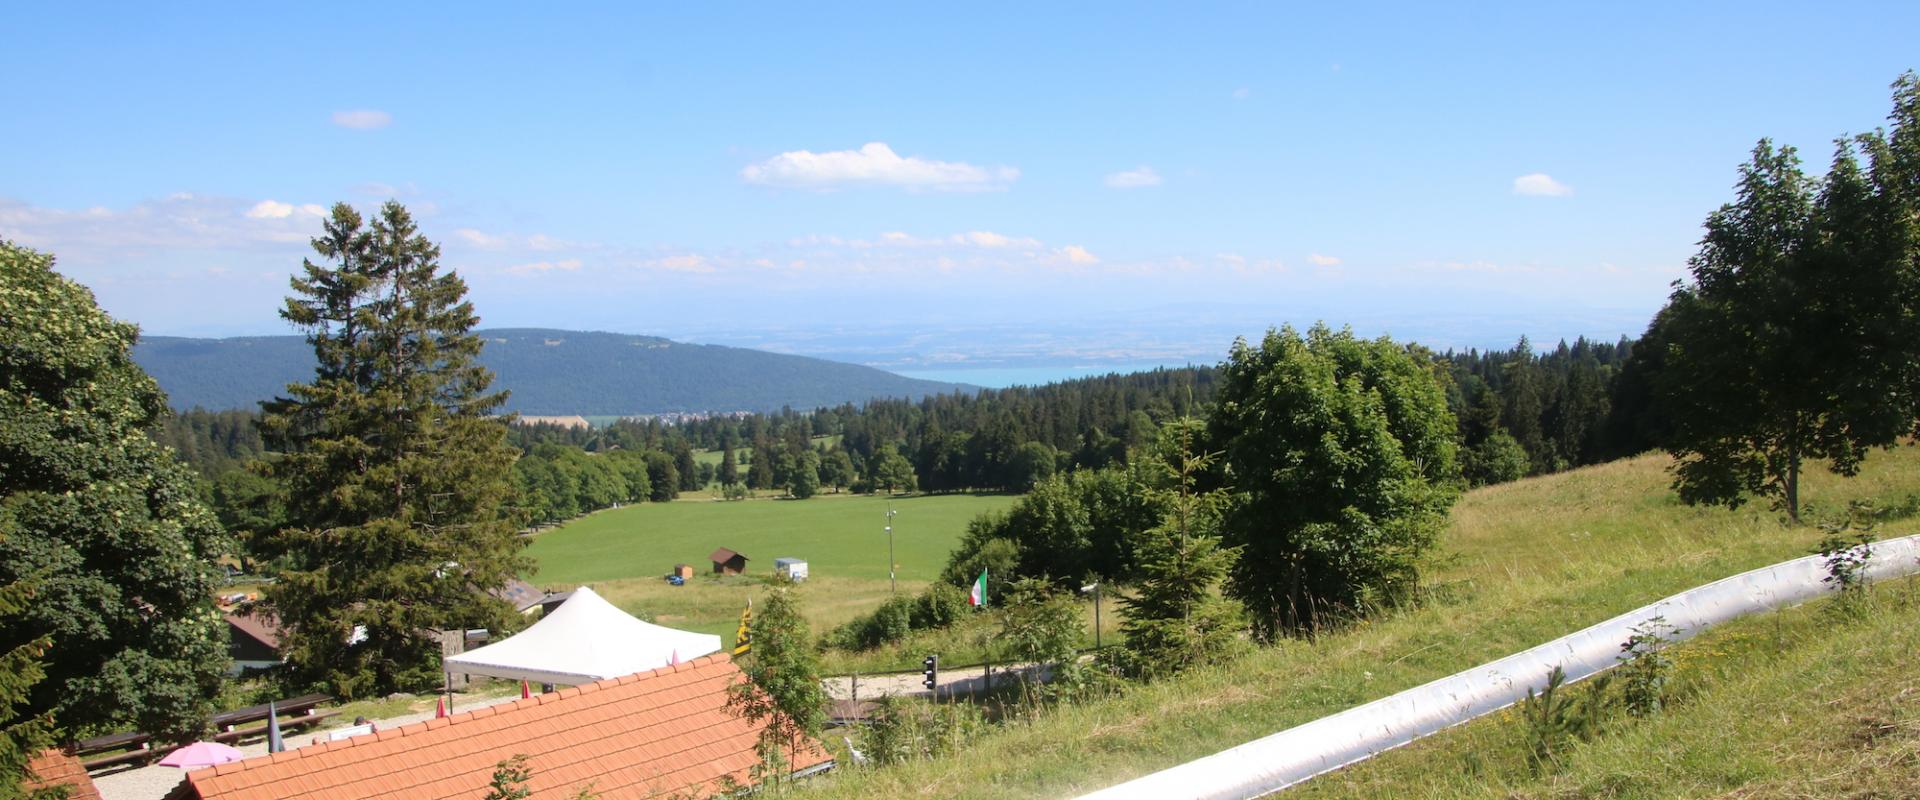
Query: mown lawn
point(1520, 564)
point(626, 553)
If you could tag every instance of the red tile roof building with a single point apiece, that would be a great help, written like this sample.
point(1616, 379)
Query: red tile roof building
point(646, 735)
point(60, 768)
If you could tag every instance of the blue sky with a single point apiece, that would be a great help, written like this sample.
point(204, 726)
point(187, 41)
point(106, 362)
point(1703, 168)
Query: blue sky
point(773, 175)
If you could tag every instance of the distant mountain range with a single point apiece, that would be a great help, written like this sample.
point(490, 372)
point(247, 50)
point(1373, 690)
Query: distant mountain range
point(549, 372)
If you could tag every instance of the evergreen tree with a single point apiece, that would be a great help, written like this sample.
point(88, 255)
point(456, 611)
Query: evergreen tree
point(760, 469)
point(684, 465)
point(1176, 617)
point(729, 469)
point(103, 519)
point(1343, 451)
point(396, 475)
point(20, 669)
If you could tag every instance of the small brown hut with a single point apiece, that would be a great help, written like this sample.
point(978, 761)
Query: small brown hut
point(727, 562)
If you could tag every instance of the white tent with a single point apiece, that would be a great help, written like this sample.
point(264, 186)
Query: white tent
point(584, 640)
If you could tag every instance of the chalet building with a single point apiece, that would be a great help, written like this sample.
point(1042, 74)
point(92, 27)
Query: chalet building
point(727, 562)
point(253, 640)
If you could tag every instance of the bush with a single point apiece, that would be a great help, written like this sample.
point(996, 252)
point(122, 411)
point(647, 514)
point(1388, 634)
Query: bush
point(940, 606)
point(905, 729)
point(889, 623)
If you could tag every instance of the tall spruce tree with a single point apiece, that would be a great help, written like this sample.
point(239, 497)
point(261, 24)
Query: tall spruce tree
point(105, 521)
point(729, 469)
point(396, 475)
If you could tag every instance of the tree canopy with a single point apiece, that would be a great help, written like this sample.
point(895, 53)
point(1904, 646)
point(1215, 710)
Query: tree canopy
point(101, 518)
point(1796, 338)
point(1341, 454)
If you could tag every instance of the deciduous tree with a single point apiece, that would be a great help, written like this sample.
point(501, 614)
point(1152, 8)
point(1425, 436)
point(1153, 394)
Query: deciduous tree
point(1342, 455)
point(1795, 338)
point(103, 519)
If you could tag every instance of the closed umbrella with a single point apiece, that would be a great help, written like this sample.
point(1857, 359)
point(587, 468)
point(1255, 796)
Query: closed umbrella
point(201, 754)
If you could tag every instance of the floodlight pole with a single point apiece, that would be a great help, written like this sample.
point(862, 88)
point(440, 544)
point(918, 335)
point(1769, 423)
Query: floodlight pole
point(893, 586)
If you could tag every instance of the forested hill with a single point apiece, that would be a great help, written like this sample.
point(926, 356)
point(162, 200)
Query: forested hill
point(549, 372)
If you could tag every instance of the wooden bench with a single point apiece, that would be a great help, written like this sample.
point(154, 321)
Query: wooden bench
point(296, 722)
point(296, 713)
point(141, 743)
point(228, 720)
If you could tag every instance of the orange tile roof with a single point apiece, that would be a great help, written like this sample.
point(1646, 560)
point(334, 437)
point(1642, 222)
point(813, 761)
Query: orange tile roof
point(57, 768)
point(643, 735)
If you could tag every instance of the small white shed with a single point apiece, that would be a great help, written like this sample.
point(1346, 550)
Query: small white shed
point(792, 569)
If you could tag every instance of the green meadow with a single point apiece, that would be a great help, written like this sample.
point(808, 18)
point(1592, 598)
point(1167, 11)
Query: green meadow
point(626, 553)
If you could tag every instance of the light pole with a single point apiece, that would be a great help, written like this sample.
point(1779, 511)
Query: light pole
point(893, 586)
point(1095, 589)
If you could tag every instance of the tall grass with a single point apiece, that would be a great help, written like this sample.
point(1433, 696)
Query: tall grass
point(1521, 563)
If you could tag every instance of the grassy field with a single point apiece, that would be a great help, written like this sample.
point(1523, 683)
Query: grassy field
point(1520, 564)
point(625, 553)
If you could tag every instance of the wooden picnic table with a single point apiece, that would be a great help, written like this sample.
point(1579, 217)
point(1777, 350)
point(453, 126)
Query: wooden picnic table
point(135, 747)
point(304, 704)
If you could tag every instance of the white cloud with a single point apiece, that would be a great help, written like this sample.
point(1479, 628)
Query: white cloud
point(270, 209)
point(178, 222)
point(540, 267)
point(1136, 178)
point(362, 119)
point(1075, 254)
point(1540, 184)
point(692, 262)
point(1322, 261)
point(874, 164)
point(480, 239)
point(985, 239)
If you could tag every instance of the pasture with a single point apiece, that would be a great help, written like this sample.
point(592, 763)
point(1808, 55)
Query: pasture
point(626, 553)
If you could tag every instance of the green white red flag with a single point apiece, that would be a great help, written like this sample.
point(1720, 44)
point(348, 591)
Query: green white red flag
point(978, 597)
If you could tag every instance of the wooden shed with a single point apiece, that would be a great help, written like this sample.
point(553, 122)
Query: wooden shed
point(727, 562)
point(685, 571)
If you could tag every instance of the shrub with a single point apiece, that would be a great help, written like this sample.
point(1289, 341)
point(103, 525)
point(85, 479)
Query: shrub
point(906, 729)
point(941, 605)
point(1645, 667)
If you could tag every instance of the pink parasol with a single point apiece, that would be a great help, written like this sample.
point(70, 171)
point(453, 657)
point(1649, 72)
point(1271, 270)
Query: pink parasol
point(201, 754)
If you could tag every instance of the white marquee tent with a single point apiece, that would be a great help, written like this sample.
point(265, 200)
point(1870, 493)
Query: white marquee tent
point(584, 640)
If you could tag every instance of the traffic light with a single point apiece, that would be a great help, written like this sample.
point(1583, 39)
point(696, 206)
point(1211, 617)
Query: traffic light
point(930, 669)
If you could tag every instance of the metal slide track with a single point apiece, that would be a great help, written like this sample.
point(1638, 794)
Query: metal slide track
point(1275, 762)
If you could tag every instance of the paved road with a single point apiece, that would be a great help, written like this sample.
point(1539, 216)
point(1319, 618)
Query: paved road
point(960, 680)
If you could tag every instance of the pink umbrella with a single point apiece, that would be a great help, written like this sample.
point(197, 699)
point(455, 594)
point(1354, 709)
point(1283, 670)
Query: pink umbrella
point(201, 754)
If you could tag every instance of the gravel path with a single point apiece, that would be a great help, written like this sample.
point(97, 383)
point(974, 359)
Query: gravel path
point(153, 783)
